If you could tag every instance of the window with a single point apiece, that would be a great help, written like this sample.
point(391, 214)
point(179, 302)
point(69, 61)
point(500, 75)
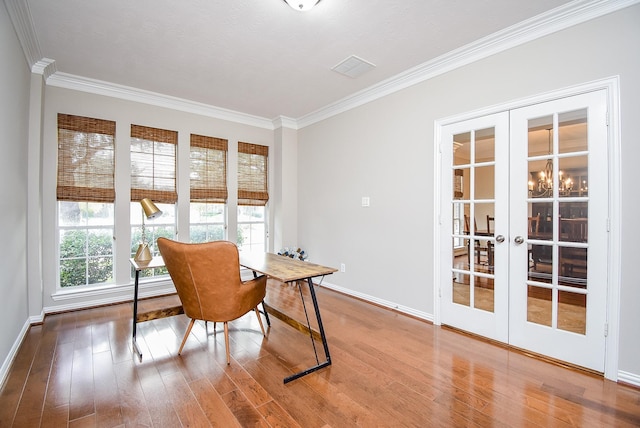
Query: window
point(208, 188)
point(153, 176)
point(85, 193)
point(252, 196)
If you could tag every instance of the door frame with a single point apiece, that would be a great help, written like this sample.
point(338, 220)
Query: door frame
point(612, 87)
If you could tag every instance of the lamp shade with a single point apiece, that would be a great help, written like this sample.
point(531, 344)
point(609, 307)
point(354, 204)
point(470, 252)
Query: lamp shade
point(302, 5)
point(150, 209)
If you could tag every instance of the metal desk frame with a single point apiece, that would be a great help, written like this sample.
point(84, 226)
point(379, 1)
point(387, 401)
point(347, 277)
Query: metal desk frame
point(285, 269)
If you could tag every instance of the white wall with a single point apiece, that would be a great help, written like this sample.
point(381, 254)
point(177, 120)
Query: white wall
point(384, 150)
point(14, 115)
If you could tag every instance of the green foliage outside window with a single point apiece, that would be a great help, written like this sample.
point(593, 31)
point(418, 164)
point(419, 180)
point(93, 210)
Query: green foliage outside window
point(86, 257)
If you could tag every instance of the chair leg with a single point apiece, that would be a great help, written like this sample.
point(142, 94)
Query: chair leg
point(260, 321)
point(226, 342)
point(184, 339)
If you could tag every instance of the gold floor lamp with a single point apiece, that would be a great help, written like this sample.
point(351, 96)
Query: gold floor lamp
point(150, 211)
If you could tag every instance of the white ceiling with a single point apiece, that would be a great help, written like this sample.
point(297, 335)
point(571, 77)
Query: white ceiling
point(260, 57)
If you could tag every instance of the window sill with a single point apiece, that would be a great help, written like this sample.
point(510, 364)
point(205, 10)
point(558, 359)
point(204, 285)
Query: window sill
point(149, 286)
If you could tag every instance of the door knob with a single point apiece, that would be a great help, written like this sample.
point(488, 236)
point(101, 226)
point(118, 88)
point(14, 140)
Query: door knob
point(500, 238)
point(518, 240)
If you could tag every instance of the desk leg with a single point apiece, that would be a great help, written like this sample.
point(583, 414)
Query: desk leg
point(135, 316)
point(264, 309)
point(322, 335)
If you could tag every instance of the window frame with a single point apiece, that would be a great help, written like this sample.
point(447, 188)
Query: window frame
point(85, 145)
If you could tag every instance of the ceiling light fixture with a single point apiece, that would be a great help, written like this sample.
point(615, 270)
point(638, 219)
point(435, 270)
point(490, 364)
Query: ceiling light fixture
point(302, 5)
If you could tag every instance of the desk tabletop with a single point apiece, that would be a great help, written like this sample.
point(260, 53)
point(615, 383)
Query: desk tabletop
point(283, 268)
point(155, 262)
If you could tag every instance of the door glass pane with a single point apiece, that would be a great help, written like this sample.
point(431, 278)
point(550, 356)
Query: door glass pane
point(539, 305)
point(573, 131)
point(461, 289)
point(539, 224)
point(540, 263)
point(572, 312)
point(462, 149)
point(573, 176)
point(483, 294)
point(485, 145)
point(539, 178)
point(538, 136)
point(573, 266)
point(484, 182)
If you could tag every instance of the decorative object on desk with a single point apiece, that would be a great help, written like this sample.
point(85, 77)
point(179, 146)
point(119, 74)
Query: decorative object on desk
point(150, 211)
point(293, 253)
point(302, 5)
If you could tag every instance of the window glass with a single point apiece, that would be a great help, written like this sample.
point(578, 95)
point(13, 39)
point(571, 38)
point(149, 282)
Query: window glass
point(207, 222)
point(251, 228)
point(85, 233)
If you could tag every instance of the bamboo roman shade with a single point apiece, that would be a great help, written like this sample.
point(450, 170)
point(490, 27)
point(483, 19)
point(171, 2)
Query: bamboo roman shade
point(153, 164)
point(208, 169)
point(86, 162)
point(252, 174)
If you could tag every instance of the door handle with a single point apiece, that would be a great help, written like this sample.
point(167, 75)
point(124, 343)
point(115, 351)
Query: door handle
point(518, 240)
point(500, 238)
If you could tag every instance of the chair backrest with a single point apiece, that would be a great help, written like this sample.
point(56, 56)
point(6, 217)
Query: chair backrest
point(207, 278)
point(534, 224)
point(574, 229)
point(490, 223)
point(466, 224)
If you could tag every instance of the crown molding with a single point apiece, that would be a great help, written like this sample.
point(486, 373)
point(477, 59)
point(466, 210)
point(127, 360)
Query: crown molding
point(557, 19)
point(285, 122)
point(46, 67)
point(20, 16)
point(84, 84)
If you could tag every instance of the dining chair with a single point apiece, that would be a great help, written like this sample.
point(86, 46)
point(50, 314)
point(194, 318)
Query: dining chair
point(491, 220)
point(478, 249)
point(533, 229)
point(573, 230)
point(534, 224)
point(207, 279)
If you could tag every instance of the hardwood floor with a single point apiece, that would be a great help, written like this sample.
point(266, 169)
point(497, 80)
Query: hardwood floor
point(78, 370)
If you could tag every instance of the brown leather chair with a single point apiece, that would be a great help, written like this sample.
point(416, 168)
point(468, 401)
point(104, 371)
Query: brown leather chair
point(207, 278)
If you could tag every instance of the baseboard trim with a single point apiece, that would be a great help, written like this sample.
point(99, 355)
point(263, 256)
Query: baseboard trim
point(629, 378)
point(380, 302)
point(6, 365)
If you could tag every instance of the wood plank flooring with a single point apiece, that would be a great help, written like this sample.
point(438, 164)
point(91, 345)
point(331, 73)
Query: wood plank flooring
point(389, 370)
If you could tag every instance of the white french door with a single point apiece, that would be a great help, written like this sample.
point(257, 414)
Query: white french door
point(475, 156)
point(524, 228)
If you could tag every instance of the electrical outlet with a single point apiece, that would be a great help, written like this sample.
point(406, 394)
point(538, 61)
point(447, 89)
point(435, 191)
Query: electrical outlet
point(343, 267)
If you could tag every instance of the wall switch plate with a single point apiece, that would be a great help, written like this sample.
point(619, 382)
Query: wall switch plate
point(343, 267)
point(366, 201)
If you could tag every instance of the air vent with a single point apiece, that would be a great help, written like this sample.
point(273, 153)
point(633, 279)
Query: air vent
point(353, 67)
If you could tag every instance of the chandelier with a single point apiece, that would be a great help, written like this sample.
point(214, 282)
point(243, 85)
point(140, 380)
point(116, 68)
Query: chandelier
point(302, 5)
point(544, 185)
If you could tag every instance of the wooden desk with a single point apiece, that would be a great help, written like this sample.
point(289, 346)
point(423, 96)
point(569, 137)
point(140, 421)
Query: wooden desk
point(286, 269)
point(155, 262)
